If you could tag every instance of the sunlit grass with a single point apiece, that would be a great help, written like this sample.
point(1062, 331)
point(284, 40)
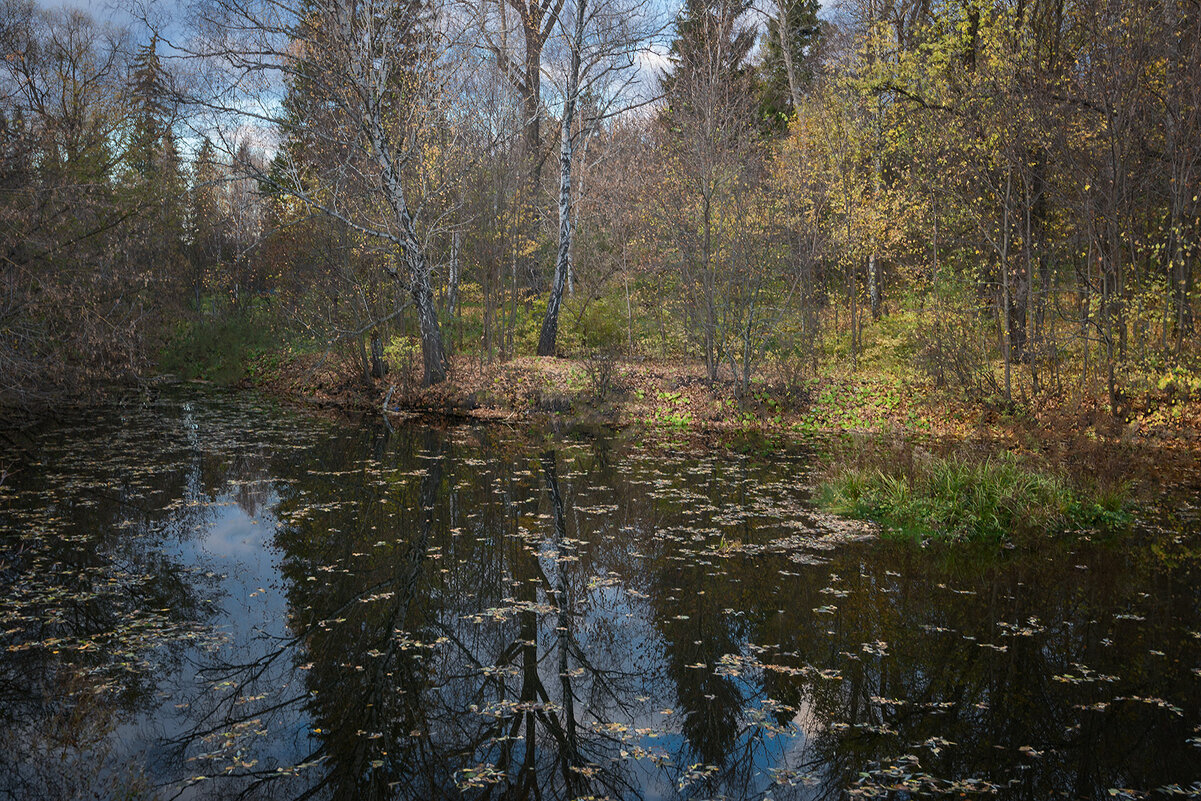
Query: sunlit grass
point(959, 498)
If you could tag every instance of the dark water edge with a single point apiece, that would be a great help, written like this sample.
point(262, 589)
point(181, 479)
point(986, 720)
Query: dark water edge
point(207, 596)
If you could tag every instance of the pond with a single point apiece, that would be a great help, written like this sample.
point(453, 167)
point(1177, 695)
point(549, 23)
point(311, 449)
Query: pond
point(205, 596)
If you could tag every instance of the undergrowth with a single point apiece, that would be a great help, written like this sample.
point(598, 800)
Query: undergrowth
point(219, 350)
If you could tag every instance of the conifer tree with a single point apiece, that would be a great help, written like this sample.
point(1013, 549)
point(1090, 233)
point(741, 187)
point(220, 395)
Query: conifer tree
point(790, 39)
point(713, 43)
point(154, 177)
point(206, 219)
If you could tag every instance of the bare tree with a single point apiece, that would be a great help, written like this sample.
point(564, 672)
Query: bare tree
point(361, 92)
point(712, 165)
point(602, 42)
point(73, 308)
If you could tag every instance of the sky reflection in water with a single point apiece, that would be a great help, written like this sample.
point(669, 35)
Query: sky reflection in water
point(288, 608)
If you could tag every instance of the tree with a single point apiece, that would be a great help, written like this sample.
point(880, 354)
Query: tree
point(602, 44)
point(154, 172)
point(789, 44)
point(207, 223)
point(706, 200)
point(76, 308)
point(375, 76)
point(517, 46)
point(550, 323)
point(831, 138)
point(152, 115)
point(713, 42)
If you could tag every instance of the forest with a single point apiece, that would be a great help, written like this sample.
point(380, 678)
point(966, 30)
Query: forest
point(996, 199)
point(496, 400)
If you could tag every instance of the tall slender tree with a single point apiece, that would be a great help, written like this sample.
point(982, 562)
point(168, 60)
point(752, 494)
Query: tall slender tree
point(371, 77)
point(789, 43)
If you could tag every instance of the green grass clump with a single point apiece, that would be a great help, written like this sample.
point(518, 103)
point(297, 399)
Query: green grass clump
point(957, 498)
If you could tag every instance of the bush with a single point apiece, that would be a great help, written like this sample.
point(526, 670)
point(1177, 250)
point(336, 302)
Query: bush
point(402, 354)
point(600, 327)
point(950, 341)
point(219, 350)
point(1180, 382)
point(600, 366)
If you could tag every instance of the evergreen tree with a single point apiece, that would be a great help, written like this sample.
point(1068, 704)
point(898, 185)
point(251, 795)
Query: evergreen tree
point(789, 43)
point(207, 240)
point(150, 135)
point(712, 45)
point(154, 179)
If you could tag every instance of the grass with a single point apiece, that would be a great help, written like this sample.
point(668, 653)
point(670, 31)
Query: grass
point(959, 498)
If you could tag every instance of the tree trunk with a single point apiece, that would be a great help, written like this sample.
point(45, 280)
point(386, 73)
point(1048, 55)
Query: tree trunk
point(452, 290)
point(364, 360)
point(411, 253)
point(873, 285)
point(532, 108)
point(433, 355)
point(1007, 321)
point(794, 90)
point(550, 324)
point(378, 368)
point(873, 262)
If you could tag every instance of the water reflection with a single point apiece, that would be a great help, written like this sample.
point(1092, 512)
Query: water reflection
point(343, 612)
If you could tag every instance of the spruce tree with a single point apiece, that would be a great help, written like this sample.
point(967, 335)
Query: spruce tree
point(789, 42)
point(713, 43)
point(154, 180)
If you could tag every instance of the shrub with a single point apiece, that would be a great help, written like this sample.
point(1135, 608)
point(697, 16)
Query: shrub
point(600, 366)
point(600, 327)
point(403, 356)
point(220, 349)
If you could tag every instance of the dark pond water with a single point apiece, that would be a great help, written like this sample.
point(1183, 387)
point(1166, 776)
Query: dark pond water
point(207, 598)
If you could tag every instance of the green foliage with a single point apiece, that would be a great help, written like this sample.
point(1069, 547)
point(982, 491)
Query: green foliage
point(403, 352)
point(673, 411)
point(599, 327)
point(1180, 381)
point(958, 498)
point(221, 349)
point(527, 327)
point(802, 30)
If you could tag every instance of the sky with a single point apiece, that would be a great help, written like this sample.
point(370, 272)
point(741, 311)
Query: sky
point(116, 11)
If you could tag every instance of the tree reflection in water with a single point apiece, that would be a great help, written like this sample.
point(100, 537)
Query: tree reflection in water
point(464, 613)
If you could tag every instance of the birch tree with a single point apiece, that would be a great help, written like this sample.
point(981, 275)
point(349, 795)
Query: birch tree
point(712, 164)
point(515, 33)
point(377, 77)
point(602, 41)
point(791, 34)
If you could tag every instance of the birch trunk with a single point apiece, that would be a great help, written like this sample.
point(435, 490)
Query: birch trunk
point(550, 324)
point(794, 91)
point(433, 353)
point(368, 76)
point(452, 292)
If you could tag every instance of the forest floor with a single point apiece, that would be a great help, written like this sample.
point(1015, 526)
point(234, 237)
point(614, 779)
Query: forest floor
point(675, 401)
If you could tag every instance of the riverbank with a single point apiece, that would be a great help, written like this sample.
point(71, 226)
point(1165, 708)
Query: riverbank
point(871, 423)
point(676, 400)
